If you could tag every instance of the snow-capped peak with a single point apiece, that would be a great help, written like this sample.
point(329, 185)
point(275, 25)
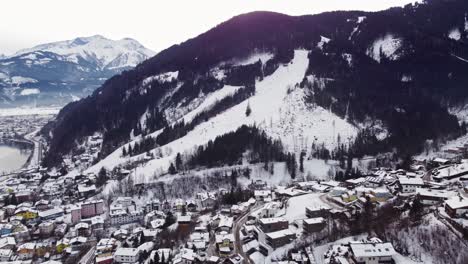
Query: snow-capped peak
point(106, 53)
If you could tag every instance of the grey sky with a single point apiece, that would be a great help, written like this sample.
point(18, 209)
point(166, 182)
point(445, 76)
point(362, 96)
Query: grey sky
point(156, 24)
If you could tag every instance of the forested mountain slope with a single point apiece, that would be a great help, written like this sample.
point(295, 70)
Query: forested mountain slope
point(370, 81)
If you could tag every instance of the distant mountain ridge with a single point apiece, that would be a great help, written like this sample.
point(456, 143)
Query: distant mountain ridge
point(63, 71)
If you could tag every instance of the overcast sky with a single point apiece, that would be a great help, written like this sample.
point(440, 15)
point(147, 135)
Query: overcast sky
point(156, 24)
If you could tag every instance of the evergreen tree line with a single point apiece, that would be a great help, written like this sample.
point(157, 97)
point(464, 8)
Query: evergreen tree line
point(229, 149)
point(146, 144)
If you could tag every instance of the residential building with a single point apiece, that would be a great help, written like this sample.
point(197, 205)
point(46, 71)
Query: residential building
point(269, 225)
point(372, 253)
point(126, 255)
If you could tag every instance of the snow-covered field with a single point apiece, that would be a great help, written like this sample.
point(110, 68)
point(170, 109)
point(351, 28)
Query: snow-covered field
point(296, 208)
point(21, 111)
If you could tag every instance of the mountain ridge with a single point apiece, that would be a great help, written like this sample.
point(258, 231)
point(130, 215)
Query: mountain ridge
point(370, 69)
point(65, 70)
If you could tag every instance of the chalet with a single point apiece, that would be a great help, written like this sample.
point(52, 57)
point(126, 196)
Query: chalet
point(42, 205)
point(456, 206)
point(318, 211)
point(5, 254)
point(86, 190)
point(431, 197)
point(235, 259)
point(153, 205)
point(26, 251)
point(269, 210)
point(380, 194)
point(225, 243)
point(353, 183)
point(338, 191)
point(306, 186)
point(410, 184)
point(374, 181)
point(441, 161)
point(259, 185)
point(372, 253)
point(7, 243)
point(269, 225)
point(262, 195)
point(312, 225)
point(184, 219)
point(225, 224)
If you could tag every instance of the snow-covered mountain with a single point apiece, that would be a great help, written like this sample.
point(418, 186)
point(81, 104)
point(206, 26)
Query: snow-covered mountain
point(61, 72)
point(343, 82)
point(98, 50)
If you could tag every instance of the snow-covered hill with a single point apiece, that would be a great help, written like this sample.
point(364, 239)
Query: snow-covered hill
point(278, 107)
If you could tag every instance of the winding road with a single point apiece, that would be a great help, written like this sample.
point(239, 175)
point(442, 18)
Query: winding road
point(237, 228)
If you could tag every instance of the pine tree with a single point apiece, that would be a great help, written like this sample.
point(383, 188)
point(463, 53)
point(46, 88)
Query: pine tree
point(178, 162)
point(130, 150)
point(13, 199)
point(301, 162)
point(172, 169)
point(124, 151)
point(102, 177)
point(416, 208)
point(293, 166)
point(248, 111)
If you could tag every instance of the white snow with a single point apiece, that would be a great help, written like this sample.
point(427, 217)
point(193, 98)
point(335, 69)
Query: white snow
point(211, 100)
point(387, 45)
point(218, 74)
point(18, 80)
point(322, 41)
point(406, 78)
point(270, 106)
point(30, 56)
point(466, 23)
point(30, 91)
point(460, 58)
point(455, 34)
point(161, 78)
point(19, 111)
point(253, 58)
point(349, 58)
point(296, 207)
point(75, 98)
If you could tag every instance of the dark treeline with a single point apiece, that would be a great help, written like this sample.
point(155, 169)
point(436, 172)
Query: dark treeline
point(231, 148)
